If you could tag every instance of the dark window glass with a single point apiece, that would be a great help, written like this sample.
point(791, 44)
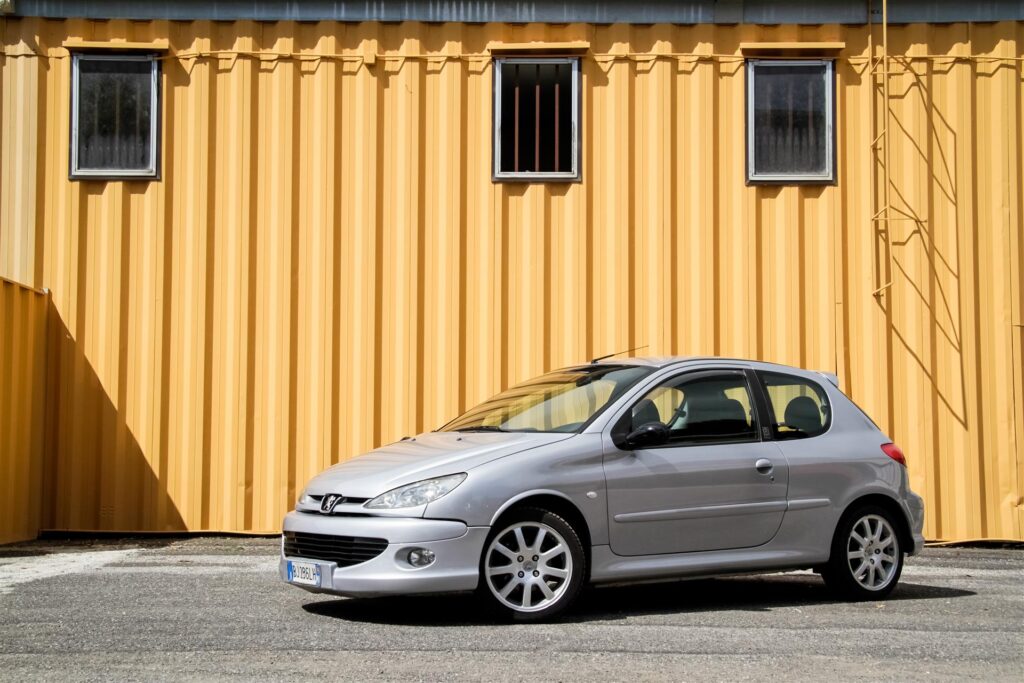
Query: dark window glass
point(790, 133)
point(800, 408)
point(115, 102)
point(536, 125)
point(702, 408)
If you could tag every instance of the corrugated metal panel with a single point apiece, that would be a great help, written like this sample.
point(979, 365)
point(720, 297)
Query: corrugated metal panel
point(561, 11)
point(326, 264)
point(23, 314)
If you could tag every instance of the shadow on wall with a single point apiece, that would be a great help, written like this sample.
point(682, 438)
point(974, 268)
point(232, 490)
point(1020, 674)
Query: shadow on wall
point(85, 487)
point(926, 232)
point(23, 312)
point(949, 278)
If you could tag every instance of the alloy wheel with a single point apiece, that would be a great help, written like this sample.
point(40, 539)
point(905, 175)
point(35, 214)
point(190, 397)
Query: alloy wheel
point(872, 552)
point(528, 566)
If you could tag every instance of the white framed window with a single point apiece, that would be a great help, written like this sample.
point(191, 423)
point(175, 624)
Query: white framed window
point(536, 118)
point(790, 121)
point(115, 116)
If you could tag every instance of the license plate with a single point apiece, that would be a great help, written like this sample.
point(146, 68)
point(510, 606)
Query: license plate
point(306, 573)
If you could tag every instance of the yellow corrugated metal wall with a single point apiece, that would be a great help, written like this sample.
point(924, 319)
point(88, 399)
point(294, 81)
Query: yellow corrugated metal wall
point(326, 264)
point(23, 316)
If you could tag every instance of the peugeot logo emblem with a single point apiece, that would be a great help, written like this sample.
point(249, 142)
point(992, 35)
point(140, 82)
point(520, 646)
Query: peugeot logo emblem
point(329, 502)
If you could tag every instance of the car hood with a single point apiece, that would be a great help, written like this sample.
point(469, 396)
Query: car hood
point(432, 454)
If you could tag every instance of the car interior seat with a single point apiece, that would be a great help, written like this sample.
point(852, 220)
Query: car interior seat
point(803, 415)
point(708, 415)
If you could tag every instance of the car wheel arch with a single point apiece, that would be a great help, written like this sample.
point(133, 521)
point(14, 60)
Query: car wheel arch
point(887, 503)
point(552, 501)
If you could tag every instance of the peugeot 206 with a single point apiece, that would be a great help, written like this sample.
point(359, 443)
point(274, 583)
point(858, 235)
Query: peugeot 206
point(616, 471)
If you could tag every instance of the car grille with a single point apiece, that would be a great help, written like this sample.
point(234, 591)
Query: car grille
point(344, 500)
point(345, 551)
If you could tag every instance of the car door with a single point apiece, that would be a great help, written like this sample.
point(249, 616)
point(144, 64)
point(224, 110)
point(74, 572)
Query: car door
point(709, 482)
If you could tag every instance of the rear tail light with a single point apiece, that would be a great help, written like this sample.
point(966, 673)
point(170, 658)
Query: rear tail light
point(894, 452)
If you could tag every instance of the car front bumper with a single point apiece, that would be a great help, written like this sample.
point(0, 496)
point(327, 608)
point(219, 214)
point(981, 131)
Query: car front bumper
point(456, 546)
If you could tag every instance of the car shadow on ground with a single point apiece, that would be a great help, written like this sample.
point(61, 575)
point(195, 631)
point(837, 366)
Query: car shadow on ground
point(752, 594)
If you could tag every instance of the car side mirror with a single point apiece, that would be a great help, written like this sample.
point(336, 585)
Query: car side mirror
point(648, 434)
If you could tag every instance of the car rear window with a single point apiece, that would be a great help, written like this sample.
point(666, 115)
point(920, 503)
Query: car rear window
point(800, 407)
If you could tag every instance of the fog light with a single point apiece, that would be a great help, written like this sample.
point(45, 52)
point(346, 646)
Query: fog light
point(420, 557)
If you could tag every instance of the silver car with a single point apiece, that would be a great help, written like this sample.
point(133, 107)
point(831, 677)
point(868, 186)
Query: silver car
point(619, 471)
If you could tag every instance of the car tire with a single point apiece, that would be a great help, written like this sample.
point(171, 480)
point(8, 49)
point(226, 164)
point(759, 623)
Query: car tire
point(532, 567)
point(866, 559)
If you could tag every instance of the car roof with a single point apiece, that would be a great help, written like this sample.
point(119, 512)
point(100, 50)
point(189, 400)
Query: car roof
point(665, 361)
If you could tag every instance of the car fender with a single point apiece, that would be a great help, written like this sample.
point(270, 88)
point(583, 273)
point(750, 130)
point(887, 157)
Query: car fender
point(572, 472)
point(526, 494)
point(874, 490)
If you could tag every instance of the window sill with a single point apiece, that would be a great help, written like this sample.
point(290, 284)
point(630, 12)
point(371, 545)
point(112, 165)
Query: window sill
point(792, 180)
point(104, 176)
point(536, 178)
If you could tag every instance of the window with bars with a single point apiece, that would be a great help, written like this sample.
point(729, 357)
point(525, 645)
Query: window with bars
point(114, 116)
point(790, 121)
point(536, 119)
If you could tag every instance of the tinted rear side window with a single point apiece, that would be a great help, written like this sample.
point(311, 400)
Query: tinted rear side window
point(800, 408)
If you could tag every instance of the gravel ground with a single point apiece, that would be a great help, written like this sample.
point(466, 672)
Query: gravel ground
point(210, 608)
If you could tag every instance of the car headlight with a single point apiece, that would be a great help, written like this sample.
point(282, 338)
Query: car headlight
point(417, 493)
point(306, 499)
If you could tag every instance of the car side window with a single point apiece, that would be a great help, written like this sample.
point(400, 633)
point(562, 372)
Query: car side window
point(800, 408)
point(699, 408)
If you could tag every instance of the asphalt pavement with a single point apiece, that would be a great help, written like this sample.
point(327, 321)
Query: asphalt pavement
point(214, 608)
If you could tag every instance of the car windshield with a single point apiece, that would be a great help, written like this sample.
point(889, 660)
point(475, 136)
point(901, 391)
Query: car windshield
point(561, 401)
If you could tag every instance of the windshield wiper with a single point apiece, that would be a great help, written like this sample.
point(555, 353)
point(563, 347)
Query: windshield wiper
point(480, 428)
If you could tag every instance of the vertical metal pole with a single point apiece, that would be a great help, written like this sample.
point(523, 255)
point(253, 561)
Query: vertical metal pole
point(557, 122)
point(515, 156)
point(888, 120)
point(811, 148)
point(886, 172)
point(873, 187)
point(790, 133)
point(536, 124)
point(117, 124)
point(138, 114)
point(95, 124)
point(883, 215)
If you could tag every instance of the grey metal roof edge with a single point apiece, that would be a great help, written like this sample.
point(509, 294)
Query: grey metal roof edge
point(529, 11)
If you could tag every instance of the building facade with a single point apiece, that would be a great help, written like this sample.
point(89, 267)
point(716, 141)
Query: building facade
point(275, 235)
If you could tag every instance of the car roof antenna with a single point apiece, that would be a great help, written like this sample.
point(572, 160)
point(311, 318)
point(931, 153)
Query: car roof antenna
point(619, 353)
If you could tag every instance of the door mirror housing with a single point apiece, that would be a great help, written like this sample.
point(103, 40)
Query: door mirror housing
point(646, 435)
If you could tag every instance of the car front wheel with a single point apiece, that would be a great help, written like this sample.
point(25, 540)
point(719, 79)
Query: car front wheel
point(533, 566)
point(866, 560)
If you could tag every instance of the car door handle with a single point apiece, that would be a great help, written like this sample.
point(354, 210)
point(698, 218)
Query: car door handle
point(763, 465)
